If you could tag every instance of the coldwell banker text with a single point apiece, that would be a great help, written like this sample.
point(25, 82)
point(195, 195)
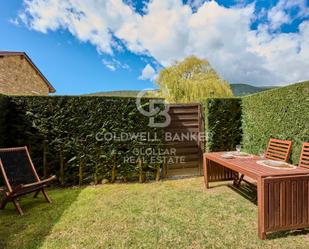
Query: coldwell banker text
point(150, 137)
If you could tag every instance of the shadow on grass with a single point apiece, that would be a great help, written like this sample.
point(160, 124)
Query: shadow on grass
point(180, 177)
point(278, 235)
point(248, 191)
point(31, 229)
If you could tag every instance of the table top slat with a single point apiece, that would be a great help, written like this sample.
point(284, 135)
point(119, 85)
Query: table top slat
point(249, 167)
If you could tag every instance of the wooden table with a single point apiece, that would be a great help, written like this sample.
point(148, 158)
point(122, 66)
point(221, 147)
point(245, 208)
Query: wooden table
point(283, 195)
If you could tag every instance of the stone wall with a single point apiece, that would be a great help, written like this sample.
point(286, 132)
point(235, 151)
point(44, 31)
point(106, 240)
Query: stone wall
point(18, 77)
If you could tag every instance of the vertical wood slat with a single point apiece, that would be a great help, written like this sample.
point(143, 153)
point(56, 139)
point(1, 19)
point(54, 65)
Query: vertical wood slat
point(282, 203)
point(294, 202)
point(271, 205)
point(299, 202)
point(277, 203)
point(216, 172)
point(289, 204)
point(202, 131)
point(305, 207)
point(266, 206)
point(286, 202)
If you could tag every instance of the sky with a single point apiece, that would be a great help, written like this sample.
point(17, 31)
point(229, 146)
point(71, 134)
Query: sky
point(104, 45)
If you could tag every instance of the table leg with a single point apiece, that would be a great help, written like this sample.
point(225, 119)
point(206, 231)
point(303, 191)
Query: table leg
point(205, 167)
point(261, 213)
point(236, 179)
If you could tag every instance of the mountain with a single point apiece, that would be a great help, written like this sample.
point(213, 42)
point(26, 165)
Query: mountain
point(131, 93)
point(245, 89)
point(238, 90)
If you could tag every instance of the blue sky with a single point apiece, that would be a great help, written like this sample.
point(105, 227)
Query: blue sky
point(115, 45)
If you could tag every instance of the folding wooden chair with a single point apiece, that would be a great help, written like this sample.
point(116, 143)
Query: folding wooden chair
point(279, 150)
point(20, 176)
point(304, 156)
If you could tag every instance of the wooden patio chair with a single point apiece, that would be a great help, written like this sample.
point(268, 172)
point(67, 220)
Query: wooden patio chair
point(304, 156)
point(279, 150)
point(20, 176)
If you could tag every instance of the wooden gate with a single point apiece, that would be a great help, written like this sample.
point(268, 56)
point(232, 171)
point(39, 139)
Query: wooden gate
point(183, 136)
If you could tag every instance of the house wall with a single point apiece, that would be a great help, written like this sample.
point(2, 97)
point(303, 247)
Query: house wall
point(18, 77)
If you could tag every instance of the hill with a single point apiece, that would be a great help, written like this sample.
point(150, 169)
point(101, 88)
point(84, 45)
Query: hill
point(238, 90)
point(245, 89)
point(131, 93)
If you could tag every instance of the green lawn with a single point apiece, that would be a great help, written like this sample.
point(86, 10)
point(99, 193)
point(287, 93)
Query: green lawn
point(169, 214)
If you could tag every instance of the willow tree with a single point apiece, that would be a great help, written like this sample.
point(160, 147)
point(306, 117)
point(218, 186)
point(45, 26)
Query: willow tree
point(191, 80)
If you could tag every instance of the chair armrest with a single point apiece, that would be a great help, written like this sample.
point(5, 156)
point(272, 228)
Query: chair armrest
point(48, 177)
point(35, 184)
point(42, 182)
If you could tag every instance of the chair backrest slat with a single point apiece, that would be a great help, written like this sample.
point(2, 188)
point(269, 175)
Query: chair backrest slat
point(304, 156)
point(17, 166)
point(279, 150)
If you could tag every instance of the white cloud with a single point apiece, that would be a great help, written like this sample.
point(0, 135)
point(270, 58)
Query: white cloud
point(90, 21)
point(287, 55)
point(277, 17)
point(108, 64)
point(14, 21)
point(148, 73)
point(114, 64)
point(281, 13)
point(169, 30)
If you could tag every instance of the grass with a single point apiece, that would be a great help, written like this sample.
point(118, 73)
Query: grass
point(168, 214)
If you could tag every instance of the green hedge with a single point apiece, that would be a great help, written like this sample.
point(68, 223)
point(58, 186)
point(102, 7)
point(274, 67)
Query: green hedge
point(222, 123)
point(4, 112)
point(61, 134)
point(60, 131)
point(280, 113)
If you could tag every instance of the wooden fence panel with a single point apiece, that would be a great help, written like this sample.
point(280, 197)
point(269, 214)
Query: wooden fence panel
point(185, 119)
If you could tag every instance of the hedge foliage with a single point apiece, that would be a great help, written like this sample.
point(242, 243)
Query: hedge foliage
point(3, 114)
point(61, 134)
point(222, 123)
point(280, 113)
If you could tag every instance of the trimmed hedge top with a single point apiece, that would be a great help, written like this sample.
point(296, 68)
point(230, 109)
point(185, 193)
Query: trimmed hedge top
point(281, 113)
